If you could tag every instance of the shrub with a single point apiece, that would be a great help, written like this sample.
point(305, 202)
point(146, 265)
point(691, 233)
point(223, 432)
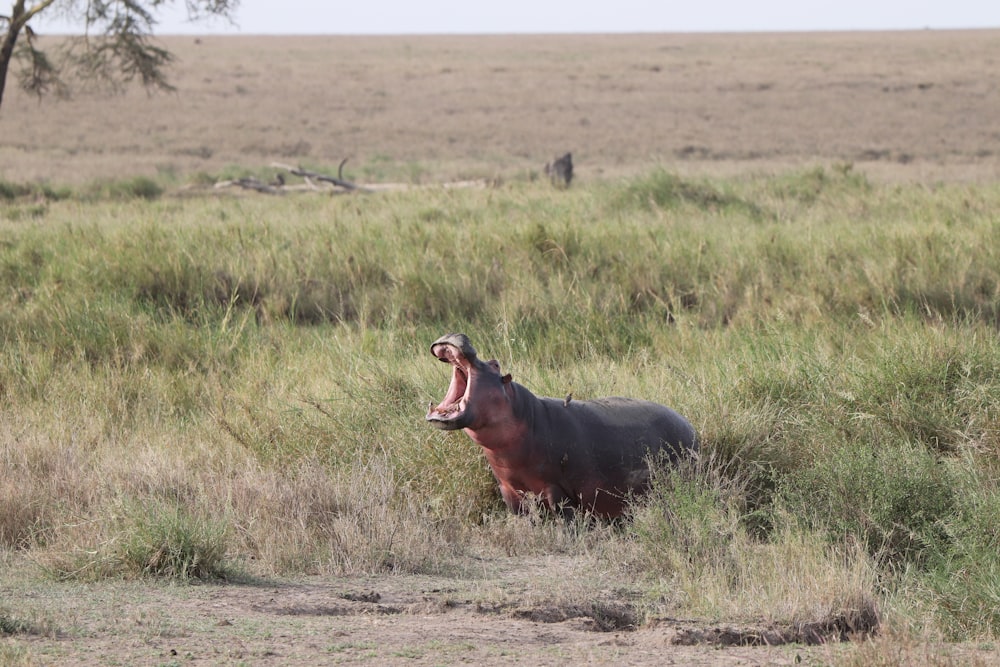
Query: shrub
point(809, 185)
point(11, 191)
point(690, 519)
point(892, 500)
point(151, 538)
point(964, 564)
point(138, 187)
point(664, 190)
point(12, 625)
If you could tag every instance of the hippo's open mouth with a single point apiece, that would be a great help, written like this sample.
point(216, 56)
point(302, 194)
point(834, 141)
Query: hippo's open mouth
point(452, 413)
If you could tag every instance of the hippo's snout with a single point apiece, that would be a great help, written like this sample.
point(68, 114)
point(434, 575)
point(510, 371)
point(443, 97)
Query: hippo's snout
point(458, 341)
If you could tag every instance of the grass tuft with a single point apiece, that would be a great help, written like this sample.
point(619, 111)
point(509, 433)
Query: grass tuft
point(137, 187)
point(151, 538)
point(36, 191)
point(12, 625)
point(892, 500)
point(664, 190)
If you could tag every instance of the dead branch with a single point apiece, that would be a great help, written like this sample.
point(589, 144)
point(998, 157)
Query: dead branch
point(337, 180)
point(312, 182)
point(251, 183)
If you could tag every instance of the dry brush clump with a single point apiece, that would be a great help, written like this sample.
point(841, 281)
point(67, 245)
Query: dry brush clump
point(169, 518)
point(693, 540)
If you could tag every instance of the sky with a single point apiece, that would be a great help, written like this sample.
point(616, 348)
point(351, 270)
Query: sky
point(573, 16)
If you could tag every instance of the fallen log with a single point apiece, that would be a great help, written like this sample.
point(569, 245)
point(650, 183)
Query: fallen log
point(251, 183)
point(337, 180)
point(313, 181)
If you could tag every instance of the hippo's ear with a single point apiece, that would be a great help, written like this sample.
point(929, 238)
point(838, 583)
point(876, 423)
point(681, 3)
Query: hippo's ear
point(506, 379)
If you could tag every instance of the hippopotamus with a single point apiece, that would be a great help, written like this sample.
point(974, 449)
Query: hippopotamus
point(570, 454)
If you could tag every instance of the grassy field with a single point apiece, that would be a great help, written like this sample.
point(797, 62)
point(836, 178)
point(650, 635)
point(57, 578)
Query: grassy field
point(910, 105)
point(231, 388)
point(227, 387)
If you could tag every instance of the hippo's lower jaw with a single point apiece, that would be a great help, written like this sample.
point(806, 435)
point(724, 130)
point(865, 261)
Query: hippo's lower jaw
point(443, 424)
point(448, 418)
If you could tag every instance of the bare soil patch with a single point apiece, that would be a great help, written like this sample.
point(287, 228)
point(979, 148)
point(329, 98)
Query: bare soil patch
point(912, 105)
point(395, 619)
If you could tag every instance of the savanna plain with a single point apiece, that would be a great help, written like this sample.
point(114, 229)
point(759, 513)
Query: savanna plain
point(213, 448)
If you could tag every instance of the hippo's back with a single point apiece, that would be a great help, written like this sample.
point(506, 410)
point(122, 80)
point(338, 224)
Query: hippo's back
point(632, 424)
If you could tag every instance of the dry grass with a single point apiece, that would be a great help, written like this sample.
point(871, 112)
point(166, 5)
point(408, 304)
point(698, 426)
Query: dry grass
point(902, 648)
point(911, 105)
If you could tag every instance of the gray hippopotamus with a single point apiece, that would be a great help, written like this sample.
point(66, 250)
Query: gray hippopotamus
point(589, 455)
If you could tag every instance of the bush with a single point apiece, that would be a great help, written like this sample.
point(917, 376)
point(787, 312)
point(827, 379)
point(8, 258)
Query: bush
point(691, 519)
point(892, 500)
point(151, 538)
point(138, 187)
point(964, 564)
point(12, 191)
point(166, 540)
point(664, 190)
point(12, 625)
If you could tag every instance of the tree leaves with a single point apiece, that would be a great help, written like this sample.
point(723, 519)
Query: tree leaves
point(116, 47)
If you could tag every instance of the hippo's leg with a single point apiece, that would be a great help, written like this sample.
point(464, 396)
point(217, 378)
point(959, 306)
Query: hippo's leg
point(554, 498)
point(513, 498)
point(560, 502)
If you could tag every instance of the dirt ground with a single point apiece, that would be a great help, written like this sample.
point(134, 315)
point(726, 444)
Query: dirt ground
point(405, 619)
point(512, 611)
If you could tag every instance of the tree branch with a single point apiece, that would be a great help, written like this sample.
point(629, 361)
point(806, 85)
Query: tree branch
point(41, 76)
point(304, 173)
point(116, 47)
point(30, 13)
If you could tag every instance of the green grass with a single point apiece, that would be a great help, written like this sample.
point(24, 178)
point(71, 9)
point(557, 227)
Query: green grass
point(10, 625)
point(193, 387)
point(150, 538)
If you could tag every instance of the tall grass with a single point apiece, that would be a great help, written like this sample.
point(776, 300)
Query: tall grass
point(192, 387)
